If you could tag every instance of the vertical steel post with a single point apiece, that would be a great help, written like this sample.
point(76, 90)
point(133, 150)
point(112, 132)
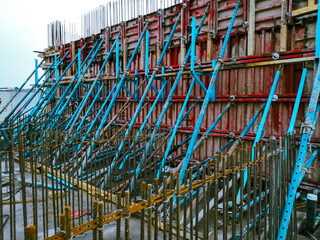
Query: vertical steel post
point(100, 221)
point(118, 224)
point(127, 219)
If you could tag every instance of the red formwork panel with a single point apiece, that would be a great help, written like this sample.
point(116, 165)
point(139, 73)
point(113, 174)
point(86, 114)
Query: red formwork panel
point(249, 85)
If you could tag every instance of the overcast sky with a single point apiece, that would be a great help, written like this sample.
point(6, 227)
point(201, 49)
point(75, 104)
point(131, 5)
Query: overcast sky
point(23, 26)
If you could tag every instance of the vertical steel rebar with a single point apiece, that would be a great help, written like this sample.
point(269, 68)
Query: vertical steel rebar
point(215, 196)
point(185, 210)
point(1, 206)
point(225, 198)
point(23, 183)
point(171, 207)
point(165, 207)
point(149, 211)
point(178, 206)
point(242, 170)
point(127, 218)
point(68, 222)
point(30, 233)
point(156, 191)
point(191, 201)
point(197, 207)
point(118, 227)
point(234, 195)
point(63, 222)
point(142, 217)
point(100, 220)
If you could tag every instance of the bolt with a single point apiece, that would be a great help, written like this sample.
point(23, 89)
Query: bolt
point(231, 135)
point(275, 98)
point(275, 56)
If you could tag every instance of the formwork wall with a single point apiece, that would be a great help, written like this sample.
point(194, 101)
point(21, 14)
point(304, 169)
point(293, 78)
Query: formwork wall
point(248, 71)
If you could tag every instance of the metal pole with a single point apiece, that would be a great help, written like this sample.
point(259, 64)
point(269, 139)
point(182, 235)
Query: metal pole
point(25, 82)
point(208, 96)
point(307, 129)
point(169, 98)
point(297, 102)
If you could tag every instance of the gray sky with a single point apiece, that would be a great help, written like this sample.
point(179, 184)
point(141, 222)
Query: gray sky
point(23, 26)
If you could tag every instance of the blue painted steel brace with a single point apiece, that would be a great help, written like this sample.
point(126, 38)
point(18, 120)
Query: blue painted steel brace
point(297, 103)
point(208, 96)
point(81, 75)
point(98, 115)
point(111, 104)
point(136, 84)
point(25, 82)
point(308, 163)
point(77, 113)
point(265, 115)
point(119, 86)
point(89, 109)
point(260, 129)
point(155, 71)
point(36, 92)
point(169, 98)
point(50, 94)
point(145, 122)
point(197, 145)
point(307, 130)
point(64, 95)
point(195, 78)
point(25, 96)
point(194, 58)
point(175, 129)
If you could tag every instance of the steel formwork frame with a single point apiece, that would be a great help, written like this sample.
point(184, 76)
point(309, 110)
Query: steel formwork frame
point(187, 117)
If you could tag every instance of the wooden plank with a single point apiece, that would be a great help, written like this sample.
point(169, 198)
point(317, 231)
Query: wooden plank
point(27, 165)
point(103, 195)
point(283, 28)
point(252, 28)
point(305, 10)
